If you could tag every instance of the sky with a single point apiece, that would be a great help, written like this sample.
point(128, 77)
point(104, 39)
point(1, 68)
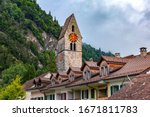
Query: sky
point(113, 25)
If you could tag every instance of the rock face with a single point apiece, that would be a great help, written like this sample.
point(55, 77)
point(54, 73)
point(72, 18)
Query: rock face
point(50, 42)
point(69, 48)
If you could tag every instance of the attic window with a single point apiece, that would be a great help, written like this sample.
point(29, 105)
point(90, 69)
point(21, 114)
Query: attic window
point(53, 82)
point(87, 75)
point(60, 80)
point(104, 71)
point(34, 82)
point(71, 77)
point(73, 28)
point(39, 83)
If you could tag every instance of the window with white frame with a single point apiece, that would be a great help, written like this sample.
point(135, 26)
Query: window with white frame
point(71, 77)
point(85, 94)
point(115, 88)
point(88, 94)
point(53, 82)
point(87, 74)
point(104, 70)
point(50, 97)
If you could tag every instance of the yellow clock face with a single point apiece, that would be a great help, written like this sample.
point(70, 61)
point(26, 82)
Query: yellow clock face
point(73, 37)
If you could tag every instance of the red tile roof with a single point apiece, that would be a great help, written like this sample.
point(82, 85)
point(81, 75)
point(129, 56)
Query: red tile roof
point(90, 64)
point(111, 59)
point(81, 81)
point(138, 89)
point(136, 65)
point(29, 83)
point(74, 69)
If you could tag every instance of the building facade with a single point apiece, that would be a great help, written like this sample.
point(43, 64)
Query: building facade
point(90, 80)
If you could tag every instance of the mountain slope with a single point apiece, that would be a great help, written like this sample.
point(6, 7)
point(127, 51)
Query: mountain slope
point(28, 38)
point(26, 35)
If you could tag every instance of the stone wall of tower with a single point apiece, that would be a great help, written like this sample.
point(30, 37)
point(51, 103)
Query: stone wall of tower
point(67, 58)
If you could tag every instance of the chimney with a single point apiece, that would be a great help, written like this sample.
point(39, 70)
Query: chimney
point(117, 55)
point(143, 51)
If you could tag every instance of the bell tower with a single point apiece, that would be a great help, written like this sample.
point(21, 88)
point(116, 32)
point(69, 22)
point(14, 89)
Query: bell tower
point(69, 49)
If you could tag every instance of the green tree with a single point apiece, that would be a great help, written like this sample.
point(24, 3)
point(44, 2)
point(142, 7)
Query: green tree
point(26, 71)
point(13, 91)
point(9, 74)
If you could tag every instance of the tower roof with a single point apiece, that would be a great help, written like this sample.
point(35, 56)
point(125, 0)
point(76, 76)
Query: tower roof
point(64, 28)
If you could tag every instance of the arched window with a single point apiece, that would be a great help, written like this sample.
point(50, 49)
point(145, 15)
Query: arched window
point(70, 46)
point(73, 28)
point(74, 46)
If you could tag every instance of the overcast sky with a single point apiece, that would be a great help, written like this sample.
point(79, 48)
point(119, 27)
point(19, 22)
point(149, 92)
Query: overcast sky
point(112, 25)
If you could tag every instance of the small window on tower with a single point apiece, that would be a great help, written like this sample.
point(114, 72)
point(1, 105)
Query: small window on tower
point(74, 46)
point(72, 28)
point(70, 46)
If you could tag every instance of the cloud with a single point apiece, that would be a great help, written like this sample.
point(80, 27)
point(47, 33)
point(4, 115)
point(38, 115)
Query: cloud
point(115, 25)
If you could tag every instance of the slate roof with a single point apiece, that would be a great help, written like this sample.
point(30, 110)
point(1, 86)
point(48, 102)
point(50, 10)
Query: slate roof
point(138, 89)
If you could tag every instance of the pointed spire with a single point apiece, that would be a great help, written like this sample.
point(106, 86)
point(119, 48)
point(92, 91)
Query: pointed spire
point(66, 25)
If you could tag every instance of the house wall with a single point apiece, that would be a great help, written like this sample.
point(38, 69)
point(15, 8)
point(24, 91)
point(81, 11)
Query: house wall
point(36, 94)
point(63, 90)
point(28, 95)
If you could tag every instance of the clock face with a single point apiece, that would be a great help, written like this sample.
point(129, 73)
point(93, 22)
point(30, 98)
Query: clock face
point(73, 37)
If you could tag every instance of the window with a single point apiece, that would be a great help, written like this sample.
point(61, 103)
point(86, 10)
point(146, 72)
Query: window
point(92, 93)
point(85, 94)
point(73, 46)
point(87, 75)
point(50, 97)
point(71, 77)
point(53, 82)
point(73, 28)
point(114, 89)
point(63, 96)
point(104, 71)
point(70, 46)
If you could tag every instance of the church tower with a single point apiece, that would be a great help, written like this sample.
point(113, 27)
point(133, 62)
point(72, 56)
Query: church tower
point(69, 49)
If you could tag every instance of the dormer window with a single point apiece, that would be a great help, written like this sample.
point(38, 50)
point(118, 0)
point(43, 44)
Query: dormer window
point(59, 80)
point(34, 82)
point(104, 71)
point(87, 75)
point(53, 82)
point(39, 83)
point(71, 77)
